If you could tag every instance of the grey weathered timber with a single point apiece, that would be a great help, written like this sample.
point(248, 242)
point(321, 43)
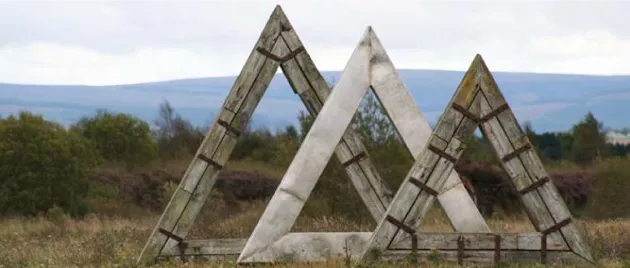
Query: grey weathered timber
point(280, 46)
point(477, 247)
point(414, 130)
point(425, 241)
point(214, 151)
point(526, 169)
point(368, 67)
point(313, 90)
point(311, 158)
point(486, 256)
point(477, 102)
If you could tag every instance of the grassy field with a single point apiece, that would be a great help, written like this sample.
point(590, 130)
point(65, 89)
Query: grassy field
point(55, 240)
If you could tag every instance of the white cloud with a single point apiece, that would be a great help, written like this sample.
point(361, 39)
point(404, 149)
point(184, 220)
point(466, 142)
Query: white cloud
point(113, 42)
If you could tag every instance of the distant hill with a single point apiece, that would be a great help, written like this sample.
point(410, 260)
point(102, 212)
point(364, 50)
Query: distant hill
point(552, 102)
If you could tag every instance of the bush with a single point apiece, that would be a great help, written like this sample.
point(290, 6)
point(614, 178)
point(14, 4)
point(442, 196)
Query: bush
point(176, 137)
point(119, 138)
point(42, 165)
point(608, 190)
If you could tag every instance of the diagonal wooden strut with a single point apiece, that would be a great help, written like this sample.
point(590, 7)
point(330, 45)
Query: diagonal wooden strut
point(277, 38)
point(478, 103)
point(368, 67)
point(278, 46)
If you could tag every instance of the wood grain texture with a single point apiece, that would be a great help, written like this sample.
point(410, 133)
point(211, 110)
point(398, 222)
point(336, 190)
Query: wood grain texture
point(426, 241)
point(218, 143)
point(312, 157)
point(414, 130)
point(320, 246)
point(487, 256)
point(247, 91)
point(410, 202)
point(477, 97)
point(313, 91)
point(545, 205)
point(382, 77)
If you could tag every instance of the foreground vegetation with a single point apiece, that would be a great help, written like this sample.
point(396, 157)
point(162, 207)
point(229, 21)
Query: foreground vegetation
point(89, 195)
point(56, 240)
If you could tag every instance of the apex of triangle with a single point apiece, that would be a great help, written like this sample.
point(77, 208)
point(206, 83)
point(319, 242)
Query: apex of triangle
point(478, 59)
point(278, 10)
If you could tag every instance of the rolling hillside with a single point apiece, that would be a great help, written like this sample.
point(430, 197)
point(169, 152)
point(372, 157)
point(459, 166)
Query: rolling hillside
point(552, 102)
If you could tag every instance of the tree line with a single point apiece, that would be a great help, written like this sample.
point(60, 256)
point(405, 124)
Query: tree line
point(43, 163)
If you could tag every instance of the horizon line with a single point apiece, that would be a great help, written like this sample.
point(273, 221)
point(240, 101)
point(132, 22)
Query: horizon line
point(280, 72)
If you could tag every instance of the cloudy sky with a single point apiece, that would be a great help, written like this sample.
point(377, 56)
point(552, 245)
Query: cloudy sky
point(114, 42)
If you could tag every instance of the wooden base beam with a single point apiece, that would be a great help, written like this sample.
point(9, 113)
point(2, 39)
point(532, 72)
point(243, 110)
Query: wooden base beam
point(456, 247)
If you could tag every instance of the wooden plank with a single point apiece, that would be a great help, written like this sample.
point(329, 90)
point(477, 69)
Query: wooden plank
point(410, 199)
point(226, 144)
point(231, 107)
point(356, 241)
point(414, 130)
point(478, 241)
point(312, 156)
point(313, 90)
point(487, 256)
point(535, 207)
point(275, 25)
point(441, 171)
point(319, 246)
point(548, 193)
point(226, 246)
point(426, 241)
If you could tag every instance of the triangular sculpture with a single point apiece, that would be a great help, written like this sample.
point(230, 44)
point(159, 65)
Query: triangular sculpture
point(478, 103)
point(368, 67)
point(279, 46)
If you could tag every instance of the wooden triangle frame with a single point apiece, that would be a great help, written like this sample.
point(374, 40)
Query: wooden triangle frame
point(368, 68)
point(478, 103)
point(279, 46)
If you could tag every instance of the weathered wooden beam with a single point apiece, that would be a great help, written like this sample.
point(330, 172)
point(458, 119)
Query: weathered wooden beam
point(305, 80)
point(498, 242)
point(216, 147)
point(410, 202)
point(544, 205)
point(478, 241)
point(368, 57)
point(478, 248)
point(313, 90)
point(316, 246)
point(478, 101)
point(312, 157)
point(486, 256)
point(225, 246)
point(413, 128)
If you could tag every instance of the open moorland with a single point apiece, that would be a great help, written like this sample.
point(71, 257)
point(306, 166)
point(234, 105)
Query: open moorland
point(89, 195)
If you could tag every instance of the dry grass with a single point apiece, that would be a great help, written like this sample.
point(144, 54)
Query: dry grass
point(99, 241)
point(57, 241)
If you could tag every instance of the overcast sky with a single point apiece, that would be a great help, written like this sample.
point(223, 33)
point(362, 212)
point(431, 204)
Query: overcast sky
point(100, 42)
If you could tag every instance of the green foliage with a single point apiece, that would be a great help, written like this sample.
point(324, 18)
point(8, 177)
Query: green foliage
point(103, 191)
point(176, 137)
point(390, 155)
point(608, 191)
point(252, 142)
point(588, 140)
point(42, 165)
point(531, 134)
point(549, 146)
point(119, 138)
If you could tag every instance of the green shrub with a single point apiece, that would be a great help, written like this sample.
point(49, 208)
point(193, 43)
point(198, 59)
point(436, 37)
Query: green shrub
point(176, 137)
point(41, 165)
point(608, 190)
point(119, 138)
